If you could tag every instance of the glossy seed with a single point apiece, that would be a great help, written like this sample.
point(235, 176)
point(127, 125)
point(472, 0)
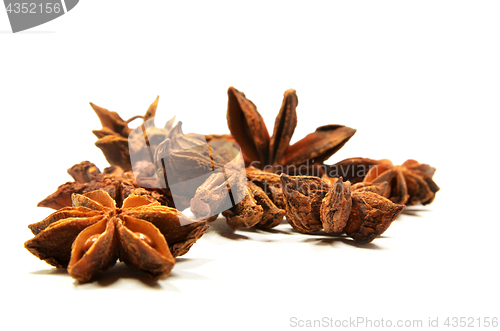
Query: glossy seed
point(144, 238)
point(92, 239)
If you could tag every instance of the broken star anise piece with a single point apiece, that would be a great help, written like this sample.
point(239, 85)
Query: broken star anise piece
point(410, 183)
point(371, 214)
point(263, 151)
point(113, 180)
point(88, 237)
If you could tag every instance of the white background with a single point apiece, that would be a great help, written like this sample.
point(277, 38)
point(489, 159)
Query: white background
point(418, 79)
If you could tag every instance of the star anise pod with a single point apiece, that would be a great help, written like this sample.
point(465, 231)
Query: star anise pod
point(410, 183)
point(338, 207)
point(222, 191)
point(135, 148)
point(113, 137)
point(274, 152)
point(90, 236)
point(113, 180)
point(184, 163)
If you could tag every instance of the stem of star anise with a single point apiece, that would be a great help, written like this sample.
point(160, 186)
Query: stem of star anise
point(134, 118)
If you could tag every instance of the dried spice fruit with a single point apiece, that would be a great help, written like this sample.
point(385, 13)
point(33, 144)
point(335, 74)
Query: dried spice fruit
point(89, 237)
point(410, 183)
point(184, 163)
point(336, 206)
point(145, 140)
point(244, 214)
point(134, 148)
point(117, 183)
point(212, 197)
point(270, 183)
point(262, 151)
point(220, 192)
point(304, 195)
point(103, 217)
point(113, 137)
point(371, 214)
point(271, 216)
point(378, 188)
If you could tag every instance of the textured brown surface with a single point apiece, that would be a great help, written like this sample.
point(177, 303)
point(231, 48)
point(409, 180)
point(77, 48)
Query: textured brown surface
point(244, 214)
point(247, 126)
point(371, 214)
point(264, 152)
point(61, 238)
point(353, 169)
point(336, 206)
point(304, 195)
point(319, 145)
point(155, 260)
point(410, 183)
point(102, 254)
point(270, 183)
point(117, 183)
point(379, 188)
point(272, 216)
point(113, 137)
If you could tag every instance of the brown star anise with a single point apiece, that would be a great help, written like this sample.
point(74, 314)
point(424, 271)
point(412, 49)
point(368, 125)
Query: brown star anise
point(261, 202)
point(113, 180)
point(90, 236)
point(410, 183)
point(313, 203)
point(135, 148)
point(274, 152)
point(113, 137)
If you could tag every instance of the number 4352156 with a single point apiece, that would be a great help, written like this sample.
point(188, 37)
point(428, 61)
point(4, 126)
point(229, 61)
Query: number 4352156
point(471, 322)
point(33, 8)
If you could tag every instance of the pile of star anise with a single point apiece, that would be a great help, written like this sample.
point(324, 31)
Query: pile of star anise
point(129, 211)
